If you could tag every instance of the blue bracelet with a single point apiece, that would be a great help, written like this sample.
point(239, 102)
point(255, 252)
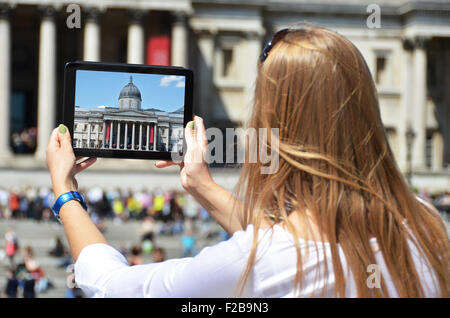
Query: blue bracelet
point(65, 197)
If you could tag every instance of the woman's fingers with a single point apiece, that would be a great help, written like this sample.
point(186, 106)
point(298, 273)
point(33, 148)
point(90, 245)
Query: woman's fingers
point(194, 151)
point(84, 164)
point(189, 134)
point(64, 137)
point(53, 142)
point(166, 163)
point(59, 138)
point(201, 132)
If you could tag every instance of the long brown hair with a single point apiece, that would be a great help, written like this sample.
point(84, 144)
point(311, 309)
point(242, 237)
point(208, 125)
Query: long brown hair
point(335, 162)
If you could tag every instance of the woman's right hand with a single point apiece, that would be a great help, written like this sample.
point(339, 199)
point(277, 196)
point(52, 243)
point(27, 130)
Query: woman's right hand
point(194, 172)
point(224, 207)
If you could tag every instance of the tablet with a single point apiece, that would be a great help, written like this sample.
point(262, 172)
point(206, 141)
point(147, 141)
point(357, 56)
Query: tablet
point(127, 110)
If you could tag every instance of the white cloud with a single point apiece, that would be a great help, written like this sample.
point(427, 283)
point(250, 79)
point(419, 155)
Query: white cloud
point(167, 80)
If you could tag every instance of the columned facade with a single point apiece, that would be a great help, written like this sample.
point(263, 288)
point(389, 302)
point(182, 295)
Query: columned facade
point(221, 42)
point(122, 135)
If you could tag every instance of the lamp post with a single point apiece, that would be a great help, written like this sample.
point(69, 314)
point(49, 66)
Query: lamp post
point(410, 134)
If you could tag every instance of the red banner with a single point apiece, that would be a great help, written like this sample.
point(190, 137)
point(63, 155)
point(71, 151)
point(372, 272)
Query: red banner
point(158, 50)
point(151, 135)
point(107, 132)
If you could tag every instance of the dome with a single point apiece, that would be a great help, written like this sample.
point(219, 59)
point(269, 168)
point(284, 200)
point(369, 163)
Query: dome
point(130, 91)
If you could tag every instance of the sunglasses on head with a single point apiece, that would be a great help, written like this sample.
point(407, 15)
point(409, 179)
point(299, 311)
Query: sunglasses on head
point(277, 37)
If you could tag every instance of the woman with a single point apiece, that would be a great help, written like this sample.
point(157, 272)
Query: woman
point(337, 207)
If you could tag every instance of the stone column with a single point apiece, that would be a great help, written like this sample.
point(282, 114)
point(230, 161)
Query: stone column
point(420, 102)
point(132, 136)
point(140, 136)
point(437, 157)
point(5, 81)
point(179, 41)
point(155, 138)
point(104, 134)
point(97, 138)
point(125, 142)
point(118, 136)
point(205, 88)
point(46, 80)
point(136, 40)
point(407, 104)
point(111, 135)
point(89, 135)
point(168, 139)
point(147, 133)
point(253, 51)
point(91, 49)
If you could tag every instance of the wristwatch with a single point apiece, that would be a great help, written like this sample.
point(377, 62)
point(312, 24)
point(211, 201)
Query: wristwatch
point(65, 197)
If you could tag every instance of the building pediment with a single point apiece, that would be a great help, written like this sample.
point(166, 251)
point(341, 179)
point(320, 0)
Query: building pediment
point(132, 113)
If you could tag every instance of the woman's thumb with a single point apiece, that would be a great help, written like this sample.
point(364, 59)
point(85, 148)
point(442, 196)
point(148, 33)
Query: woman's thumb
point(64, 136)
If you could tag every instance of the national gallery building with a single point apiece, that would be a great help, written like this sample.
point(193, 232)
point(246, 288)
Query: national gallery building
point(408, 54)
point(128, 127)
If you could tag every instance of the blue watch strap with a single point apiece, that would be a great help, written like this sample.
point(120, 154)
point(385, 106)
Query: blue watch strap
point(65, 197)
point(80, 199)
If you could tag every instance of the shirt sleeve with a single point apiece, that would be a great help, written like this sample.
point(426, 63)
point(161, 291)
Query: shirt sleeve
point(101, 271)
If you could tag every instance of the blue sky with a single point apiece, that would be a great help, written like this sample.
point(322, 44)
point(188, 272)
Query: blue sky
point(100, 88)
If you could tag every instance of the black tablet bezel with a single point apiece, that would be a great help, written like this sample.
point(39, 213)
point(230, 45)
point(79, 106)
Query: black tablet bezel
point(69, 104)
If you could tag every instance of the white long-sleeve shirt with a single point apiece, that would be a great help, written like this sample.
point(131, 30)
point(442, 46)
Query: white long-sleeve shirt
point(101, 271)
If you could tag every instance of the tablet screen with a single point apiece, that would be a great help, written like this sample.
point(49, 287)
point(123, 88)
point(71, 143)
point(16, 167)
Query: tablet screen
point(128, 111)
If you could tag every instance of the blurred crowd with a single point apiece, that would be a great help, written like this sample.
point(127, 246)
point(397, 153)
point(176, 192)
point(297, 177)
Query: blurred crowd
point(171, 207)
point(158, 213)
point(24, 277)
point(24, 141)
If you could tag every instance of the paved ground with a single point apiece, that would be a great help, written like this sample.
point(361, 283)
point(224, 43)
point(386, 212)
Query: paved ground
point(41, 237)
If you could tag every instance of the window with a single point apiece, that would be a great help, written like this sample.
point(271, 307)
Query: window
point(380, 69)
point(228, 52)
point(227, 55)
point(383, 76)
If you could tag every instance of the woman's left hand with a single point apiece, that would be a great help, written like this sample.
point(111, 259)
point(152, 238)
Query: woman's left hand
point(61, 161)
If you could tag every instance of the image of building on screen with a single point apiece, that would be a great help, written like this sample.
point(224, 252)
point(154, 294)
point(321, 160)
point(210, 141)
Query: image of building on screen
point(130, 126)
